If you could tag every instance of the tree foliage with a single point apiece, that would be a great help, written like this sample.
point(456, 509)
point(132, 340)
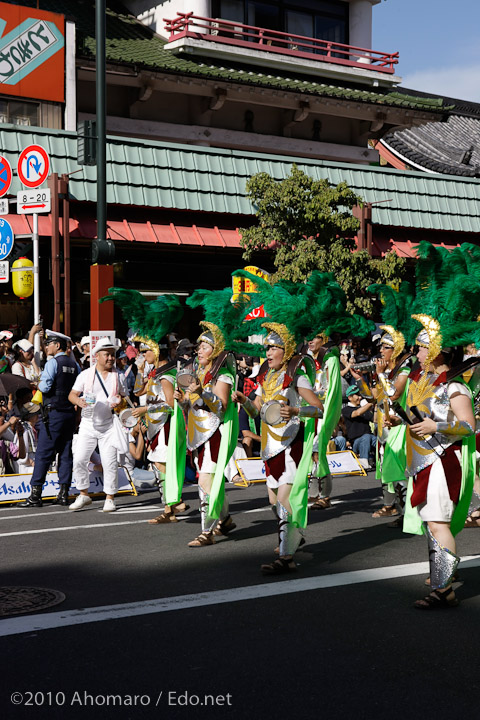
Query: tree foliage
point(308, 224)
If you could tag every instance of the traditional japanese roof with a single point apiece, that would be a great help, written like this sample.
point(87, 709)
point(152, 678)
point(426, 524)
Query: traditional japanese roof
point(451, 147)
point(145, 173)
point(129, 42)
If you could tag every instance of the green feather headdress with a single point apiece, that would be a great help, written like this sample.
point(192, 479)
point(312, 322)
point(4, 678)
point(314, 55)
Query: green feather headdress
point(317, 306)
point(306, 309)
point(151, 319)
point(396, 314)
point(224, 326)
point(447, 303)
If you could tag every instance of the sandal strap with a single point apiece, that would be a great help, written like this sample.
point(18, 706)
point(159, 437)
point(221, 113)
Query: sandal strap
point(437, 599)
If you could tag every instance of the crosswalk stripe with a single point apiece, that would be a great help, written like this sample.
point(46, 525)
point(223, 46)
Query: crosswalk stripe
point(50, 621)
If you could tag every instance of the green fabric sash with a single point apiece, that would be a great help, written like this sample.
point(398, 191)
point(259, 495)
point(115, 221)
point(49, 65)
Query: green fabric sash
point(395, 451)
point(412, 522)
point(227, 446)
point(395, 456)
point(299, 492)
point(176, 456)
point(466, 489)
point(331, 411)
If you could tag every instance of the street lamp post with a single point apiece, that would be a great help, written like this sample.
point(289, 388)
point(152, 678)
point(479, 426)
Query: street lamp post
point(101, 273)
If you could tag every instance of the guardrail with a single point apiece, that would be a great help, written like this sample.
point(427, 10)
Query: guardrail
point(227, 32)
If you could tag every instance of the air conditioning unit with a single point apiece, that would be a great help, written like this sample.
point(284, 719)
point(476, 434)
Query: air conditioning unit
point(218, 29)
point(22, 120)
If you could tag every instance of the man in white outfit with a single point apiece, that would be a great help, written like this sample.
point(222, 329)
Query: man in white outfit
point(101, 388)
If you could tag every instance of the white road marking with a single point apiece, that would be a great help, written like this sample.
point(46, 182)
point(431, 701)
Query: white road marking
point(71, 527)
point(267, 508)
point(50, 621)
point(128, 509)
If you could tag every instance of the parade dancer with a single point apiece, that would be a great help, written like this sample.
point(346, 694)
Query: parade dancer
point(285, 397)
point(152, 321)
point(392, 373)
point(440, 437)
point(282, 438)
point(212, 418)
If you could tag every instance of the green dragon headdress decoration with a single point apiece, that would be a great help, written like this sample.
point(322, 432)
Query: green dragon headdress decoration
point(400, 329)
point(447, 302)
point(300, 311)
point(223, 326)
point(150, 319)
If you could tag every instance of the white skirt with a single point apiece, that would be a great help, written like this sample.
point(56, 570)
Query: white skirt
point(288, 475)
point(160, 452)
point(438, 506)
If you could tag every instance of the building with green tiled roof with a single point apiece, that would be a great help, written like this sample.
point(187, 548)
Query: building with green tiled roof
point(194, 108)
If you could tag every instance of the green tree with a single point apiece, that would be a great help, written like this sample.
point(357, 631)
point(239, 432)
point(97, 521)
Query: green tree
point(308, 224)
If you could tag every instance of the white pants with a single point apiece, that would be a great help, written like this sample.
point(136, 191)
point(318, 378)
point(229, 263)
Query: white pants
point(87, 440)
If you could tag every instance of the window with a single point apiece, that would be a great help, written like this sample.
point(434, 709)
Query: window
point(18, 112)
point(311, 18)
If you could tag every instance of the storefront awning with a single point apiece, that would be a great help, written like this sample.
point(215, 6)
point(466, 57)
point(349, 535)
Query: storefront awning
point(128, 231)
point(403, 248)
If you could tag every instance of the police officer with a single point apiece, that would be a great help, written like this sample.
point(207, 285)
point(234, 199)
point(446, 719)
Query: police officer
point(58, 420)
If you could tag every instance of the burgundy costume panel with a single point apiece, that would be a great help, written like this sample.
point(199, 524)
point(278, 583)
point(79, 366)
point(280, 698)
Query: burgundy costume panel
point(214, 448)
point(276, 465)
point(453, 474)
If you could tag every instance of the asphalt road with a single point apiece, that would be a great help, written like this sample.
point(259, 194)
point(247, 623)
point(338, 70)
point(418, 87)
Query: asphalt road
point(152, 628)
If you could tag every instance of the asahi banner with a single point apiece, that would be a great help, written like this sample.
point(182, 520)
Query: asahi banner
point(32, 53)
point(15, 488)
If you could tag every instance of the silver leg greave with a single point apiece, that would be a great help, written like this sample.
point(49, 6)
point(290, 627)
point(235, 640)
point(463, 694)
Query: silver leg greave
point(314, 482)
point(443, 563)
point(224, 511)
point(325, 486)
point(474, 502)
point(289, 536)
point(208, 523)
point(401, 494)
point(160, 482)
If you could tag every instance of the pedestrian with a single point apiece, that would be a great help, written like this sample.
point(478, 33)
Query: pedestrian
point(25, 365)
point(98, 391)
point(358, 414)
point(57, 424)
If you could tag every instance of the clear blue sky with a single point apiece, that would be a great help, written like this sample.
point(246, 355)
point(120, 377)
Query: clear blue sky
point(438, 42)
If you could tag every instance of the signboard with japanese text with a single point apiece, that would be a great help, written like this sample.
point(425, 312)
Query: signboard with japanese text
point(15, 488)
point(4, 271)
point(344, 462)
point(32, 53)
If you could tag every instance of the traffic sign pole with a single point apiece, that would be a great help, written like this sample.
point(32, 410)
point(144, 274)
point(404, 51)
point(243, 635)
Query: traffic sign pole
point(36, 284)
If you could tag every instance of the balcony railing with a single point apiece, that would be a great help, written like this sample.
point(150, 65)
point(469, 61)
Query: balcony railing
point(226, 32)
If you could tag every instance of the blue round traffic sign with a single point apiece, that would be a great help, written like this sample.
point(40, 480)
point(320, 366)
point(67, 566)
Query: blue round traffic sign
point(6, 239)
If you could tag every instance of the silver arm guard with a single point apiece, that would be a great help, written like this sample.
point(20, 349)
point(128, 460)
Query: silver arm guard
point(250, 408)
point(310, 411)
point(159, 407)
point(460, 428)
point(213, 403)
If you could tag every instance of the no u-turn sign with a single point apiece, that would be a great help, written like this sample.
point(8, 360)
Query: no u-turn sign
point(33, 166)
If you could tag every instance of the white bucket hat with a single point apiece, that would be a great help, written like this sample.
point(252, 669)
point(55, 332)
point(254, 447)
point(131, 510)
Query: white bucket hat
point(106, 344)
point(24, 345)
